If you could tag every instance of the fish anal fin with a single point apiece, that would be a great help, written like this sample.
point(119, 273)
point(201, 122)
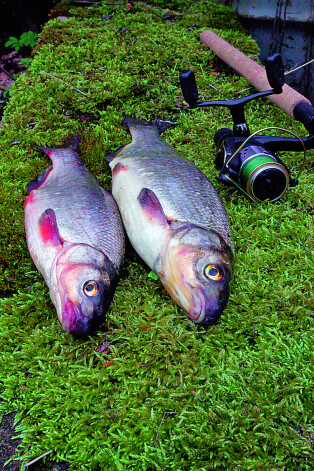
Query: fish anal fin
point(152, 207)
point(48, 228)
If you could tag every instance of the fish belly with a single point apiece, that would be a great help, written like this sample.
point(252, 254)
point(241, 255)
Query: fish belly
point(147, 237)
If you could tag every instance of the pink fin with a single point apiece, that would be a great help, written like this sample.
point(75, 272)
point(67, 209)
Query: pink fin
point(48, 228)
point(152, 207)
point(29, 199)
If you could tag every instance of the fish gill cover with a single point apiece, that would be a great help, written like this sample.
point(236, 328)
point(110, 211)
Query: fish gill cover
point(160, 393)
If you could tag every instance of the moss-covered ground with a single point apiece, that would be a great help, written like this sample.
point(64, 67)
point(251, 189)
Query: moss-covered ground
point(165, 394)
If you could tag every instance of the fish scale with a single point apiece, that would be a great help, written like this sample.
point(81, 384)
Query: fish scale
point(90, 213)
point(176, 176)
point(76, 239)
point(175, 220)
point(93, 213)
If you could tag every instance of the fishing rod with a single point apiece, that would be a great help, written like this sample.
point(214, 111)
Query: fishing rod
point(249, 160)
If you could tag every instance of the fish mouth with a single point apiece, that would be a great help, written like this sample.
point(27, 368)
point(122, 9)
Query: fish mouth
point(75, 323)
point(201, 308)
point(70, 315)
point(197, 306)
point(204, 310)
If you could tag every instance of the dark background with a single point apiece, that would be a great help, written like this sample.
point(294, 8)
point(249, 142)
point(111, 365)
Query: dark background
point(18, 16)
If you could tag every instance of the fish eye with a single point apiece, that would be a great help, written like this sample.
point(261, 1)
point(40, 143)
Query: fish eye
point(213, 272)
point(91, 288)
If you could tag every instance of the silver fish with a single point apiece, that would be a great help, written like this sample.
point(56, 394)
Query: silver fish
point(175, 220)
point(75, 237)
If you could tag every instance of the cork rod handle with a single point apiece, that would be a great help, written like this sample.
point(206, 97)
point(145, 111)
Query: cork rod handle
point(290, 101)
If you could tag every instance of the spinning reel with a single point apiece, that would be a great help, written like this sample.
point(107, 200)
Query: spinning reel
point(250, 160)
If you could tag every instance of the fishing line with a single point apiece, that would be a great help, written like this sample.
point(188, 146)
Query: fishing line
point(266, 129)
point(258, 204)
point(297, 68)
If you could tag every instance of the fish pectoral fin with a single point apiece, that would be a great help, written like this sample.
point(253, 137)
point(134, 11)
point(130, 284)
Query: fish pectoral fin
point(48, 228)
point(37, 182)
point(152, 207)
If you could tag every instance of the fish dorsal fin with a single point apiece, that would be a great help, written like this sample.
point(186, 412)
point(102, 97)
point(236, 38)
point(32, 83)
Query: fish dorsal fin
point(48, 228)
point(152, 207)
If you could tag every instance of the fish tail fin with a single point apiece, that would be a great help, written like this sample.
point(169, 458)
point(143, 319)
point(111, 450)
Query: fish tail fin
point(160, 124)
point(71, 143)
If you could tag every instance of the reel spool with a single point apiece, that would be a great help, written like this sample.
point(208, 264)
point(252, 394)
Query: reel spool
point(259, 172)
point(263, 177)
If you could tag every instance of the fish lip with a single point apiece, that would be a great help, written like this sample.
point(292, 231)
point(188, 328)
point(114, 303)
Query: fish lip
point(206, 311)
point(76, 324)
point(70, 316)
point(214, 309)
point(208, 321)
point(73, 321)
point(198, 306)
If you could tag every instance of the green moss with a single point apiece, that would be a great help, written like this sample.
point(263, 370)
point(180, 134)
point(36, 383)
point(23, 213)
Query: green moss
point(235, 393)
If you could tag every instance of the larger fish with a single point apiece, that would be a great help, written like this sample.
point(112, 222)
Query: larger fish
point(175, 220)
point(75, 237)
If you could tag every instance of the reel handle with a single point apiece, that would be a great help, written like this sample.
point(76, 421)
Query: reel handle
point(304, 112)
point(189, 87)
point(236, 106)
point(275, 73)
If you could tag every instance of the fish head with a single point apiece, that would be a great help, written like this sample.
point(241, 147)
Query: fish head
point(84, 283)
point(196, 272)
